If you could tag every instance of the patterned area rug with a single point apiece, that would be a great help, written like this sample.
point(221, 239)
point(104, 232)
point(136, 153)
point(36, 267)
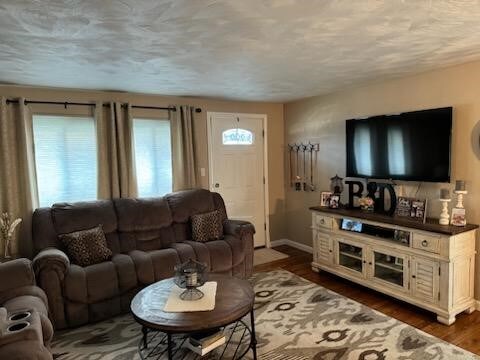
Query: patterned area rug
point(295, 320)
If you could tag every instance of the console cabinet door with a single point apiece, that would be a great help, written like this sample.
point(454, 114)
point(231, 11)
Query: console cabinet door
point(323, 248)
point(425, 279)
point(389, 268)
point(350, 257)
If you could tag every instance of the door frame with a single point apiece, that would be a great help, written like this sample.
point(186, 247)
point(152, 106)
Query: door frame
point(264, 119)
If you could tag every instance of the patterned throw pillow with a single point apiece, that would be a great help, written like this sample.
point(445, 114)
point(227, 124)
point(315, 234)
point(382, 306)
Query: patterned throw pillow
point(87, 247)
point(207, 226)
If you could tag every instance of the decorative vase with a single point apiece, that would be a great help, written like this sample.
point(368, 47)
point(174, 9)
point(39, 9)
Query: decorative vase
point(8, 250)
point(7, 228)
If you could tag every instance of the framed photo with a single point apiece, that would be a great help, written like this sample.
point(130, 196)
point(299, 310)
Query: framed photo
point(325, 198)
point(402, 236)
point(334, 201)
point(458, 217)
point(415, 209)
point(404, 205)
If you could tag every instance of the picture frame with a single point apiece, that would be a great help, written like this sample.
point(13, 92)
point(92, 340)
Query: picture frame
point(402, 236)
point(458, 217)
point(325, 198)
point(334, 202)
point(415, 209)
point(404, 205)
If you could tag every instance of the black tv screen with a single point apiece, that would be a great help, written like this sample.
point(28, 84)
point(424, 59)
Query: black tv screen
point(413, 146)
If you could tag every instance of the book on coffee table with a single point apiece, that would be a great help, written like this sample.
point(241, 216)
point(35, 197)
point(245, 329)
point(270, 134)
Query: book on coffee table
point(204, 342)
point(202, 350)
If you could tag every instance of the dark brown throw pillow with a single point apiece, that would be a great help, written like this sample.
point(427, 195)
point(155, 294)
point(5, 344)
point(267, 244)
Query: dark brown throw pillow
point(207, 226)
point(87, 247)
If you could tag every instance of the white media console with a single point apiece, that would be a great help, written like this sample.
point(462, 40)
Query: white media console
point(429, 265)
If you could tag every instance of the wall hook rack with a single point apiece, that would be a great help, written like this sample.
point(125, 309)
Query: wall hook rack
point(303, 165)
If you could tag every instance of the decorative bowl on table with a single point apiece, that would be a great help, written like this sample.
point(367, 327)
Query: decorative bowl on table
point(190, 276)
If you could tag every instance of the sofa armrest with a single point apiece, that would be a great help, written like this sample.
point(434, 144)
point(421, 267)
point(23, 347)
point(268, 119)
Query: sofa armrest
point(15, 274)
point(244, 231)
point(51, 266)
point(51, 258)
point(238, 228)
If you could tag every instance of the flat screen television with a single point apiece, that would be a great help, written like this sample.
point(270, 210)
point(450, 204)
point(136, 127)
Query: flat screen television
point(411, 146)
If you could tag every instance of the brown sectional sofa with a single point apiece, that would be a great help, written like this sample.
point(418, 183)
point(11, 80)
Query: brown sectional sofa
point(147, 238)
point(19, 295)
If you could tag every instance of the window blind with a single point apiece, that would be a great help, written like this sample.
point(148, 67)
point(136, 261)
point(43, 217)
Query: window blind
point(153, 157)
point(65, 158)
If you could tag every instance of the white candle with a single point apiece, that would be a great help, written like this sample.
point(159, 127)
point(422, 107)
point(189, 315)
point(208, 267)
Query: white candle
point(460, 185)
point(444, 194)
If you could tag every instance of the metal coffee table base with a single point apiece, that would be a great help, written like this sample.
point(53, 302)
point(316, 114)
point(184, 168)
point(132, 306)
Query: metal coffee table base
point(240, 339)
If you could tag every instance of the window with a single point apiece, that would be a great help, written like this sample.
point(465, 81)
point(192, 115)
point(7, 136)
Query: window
point(237, 137)
point(153, 157)
point(65, 158)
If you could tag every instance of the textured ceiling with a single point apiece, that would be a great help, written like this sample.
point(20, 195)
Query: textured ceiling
point(240, 49)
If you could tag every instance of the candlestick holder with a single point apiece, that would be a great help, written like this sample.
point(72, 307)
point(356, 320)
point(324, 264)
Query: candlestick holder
point(460, 194)
point(444, 216)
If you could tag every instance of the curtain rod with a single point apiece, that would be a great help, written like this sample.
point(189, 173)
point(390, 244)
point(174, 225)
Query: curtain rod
point(66, 103)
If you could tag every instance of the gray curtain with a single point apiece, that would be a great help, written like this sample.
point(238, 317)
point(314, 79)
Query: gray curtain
point(18, 185)
point(183, 155)
point(116, 160)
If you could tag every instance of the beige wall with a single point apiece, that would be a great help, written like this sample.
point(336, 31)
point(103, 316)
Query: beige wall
point(274, 112)
point(323, 118)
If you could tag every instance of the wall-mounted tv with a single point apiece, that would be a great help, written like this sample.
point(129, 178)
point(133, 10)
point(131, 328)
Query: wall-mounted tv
point(412, 146)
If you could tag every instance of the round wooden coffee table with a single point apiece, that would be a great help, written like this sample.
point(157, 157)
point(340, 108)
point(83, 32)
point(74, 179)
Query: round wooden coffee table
point(234, 300)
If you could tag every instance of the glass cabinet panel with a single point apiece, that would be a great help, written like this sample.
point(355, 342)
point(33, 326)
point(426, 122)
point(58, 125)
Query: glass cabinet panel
point(389, 268)
point(350, 256)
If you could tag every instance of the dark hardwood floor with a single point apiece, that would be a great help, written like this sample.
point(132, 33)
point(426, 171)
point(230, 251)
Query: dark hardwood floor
point(465, 332)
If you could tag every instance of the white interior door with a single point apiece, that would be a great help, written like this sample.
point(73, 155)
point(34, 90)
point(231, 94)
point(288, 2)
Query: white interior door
point(236, 151)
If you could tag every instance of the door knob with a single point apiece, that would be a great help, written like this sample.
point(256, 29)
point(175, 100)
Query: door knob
point(217, 185)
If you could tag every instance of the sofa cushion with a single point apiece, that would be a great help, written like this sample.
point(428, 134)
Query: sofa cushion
point(69, 218)
point(220, 256)
point(102, 281)
point(154, 265)
point(237, 247)
point(75, 285)
point(127, 276)
point(184, 251)
point(142, 214)
point(86, 247)
point(201, 252)
point(184, 204)
point(207, 226)
point(144, 224)
point(91, 284)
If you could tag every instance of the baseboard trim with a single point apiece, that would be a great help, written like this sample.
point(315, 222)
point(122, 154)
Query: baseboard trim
point(293, 244)
point(477, 305)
